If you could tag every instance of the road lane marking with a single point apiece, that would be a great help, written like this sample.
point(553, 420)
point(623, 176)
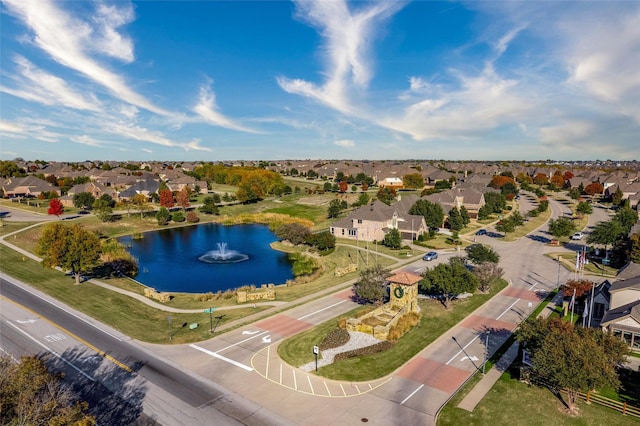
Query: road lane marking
point(462, 350)
point(54, 353)
point(79, 339)
point(411, 394)
point(310, 385)
point(320, 310)
point(508, 309)
point(222, 358)
point(6, 277)
point(242, 341)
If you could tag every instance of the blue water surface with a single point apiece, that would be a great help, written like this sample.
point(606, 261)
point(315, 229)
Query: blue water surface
point(168, 259)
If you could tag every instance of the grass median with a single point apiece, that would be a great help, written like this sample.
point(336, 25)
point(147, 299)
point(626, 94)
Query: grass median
point(435, 321)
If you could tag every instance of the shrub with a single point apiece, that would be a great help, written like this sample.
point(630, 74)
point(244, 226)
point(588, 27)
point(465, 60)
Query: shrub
point(369, 350)
point(178, 217)
point(192, 217)
point(336, 338)
point(404, 324)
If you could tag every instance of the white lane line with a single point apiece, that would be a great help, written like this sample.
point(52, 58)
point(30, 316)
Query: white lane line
point(10, 279)
point(320, 310)
point(57, 355)
point(508, 309)
point(280, 373)
point(266, 370)
point(327, 388)
point(343, 391)
point(220, 357)
point(310, 385)
point(461, 350)
point(412, 393)
point(242, 341)
point(295, 380)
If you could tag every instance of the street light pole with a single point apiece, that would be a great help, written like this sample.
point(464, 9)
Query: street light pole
point(486, 351)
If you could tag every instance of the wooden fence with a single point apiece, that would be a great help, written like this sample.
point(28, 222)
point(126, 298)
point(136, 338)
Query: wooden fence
point(622, 407)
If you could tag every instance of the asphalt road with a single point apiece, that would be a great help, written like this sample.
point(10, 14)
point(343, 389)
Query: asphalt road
point(213, 374)
point(114, 367)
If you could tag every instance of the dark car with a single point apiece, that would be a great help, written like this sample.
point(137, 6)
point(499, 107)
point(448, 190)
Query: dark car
point(430, 256)
point(482, 232)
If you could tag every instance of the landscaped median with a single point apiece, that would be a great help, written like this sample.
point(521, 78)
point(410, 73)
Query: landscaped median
point(434, 322)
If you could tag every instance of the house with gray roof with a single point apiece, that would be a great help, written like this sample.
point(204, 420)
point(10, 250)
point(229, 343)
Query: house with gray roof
point(372, 221)
point(29, 186)
point(623, 317)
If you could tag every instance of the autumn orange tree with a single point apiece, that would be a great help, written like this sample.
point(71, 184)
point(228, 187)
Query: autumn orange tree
point(70, 247)
point(31, 395)
point(183, 198)
point(499, 181)
point(594, 188)
point(540, 179)
point(166, 198)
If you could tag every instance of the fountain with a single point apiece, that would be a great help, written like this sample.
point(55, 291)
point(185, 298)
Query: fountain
point(223, 255)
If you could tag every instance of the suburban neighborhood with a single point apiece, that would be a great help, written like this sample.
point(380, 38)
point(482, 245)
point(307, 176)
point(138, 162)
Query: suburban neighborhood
point(416, 218)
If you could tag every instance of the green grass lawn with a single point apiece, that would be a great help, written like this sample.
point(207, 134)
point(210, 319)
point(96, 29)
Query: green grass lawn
point(434, 322)
point(511, 402)
point(123, 313)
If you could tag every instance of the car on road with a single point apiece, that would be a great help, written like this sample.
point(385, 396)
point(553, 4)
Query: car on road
point(482, 232)
point(430, 256)
point(577, 236)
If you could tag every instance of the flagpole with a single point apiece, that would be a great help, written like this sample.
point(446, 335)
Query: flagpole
point(573, 302)
point(593, 290)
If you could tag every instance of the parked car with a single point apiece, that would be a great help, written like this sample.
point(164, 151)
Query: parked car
point(482, 232)
point(430, 256)
point(577, 236)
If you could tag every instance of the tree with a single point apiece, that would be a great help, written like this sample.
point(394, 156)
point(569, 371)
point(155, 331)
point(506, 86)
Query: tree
point(478, 253)
point(432, 213)
point(83, 200)
point(484, 212)
point(69, 247)
point(498, 181)
point(606, 233)
point(626, 217)
point(442, 185)
point(487, 273)
point(580, 286)
point(166, 198)
point(495, 201)
point(506, 225)
point(55, 207)
point(574, 193)
point(209, 206)
point(448, 280)
point(126, 204)
point(178, 217)
point(455, 219)
point(634, 248)
point(183, 198)
point(363, 199)
point(413, 181)
point(584, 208)
point(163, 216)
point(102, 209)
point(31, 395)
point(10, 169)
point(561, 227)
point(323, 241)
point(386, 195)
point(571, 357)
point(593, 189)
point(295, 233)
point(557, 181)
point(465, 216)
point(540, 179)
point(393, 239)
point(616, 197)
point(141, 203)
point(336, 207)
point(371, 287)
point(343, 186)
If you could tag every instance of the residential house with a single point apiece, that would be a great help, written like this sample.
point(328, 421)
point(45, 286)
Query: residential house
point(623, 317)
point(373, 221)
point(29, 186)
point(145, 187)
point(468, 195)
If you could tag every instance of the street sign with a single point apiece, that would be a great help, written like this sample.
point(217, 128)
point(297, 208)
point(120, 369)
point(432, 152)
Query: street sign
point(316, 350)
point(209, 310)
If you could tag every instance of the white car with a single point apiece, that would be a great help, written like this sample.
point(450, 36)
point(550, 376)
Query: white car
point(577, 236)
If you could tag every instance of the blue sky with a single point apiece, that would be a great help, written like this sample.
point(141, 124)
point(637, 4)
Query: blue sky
point(232, 80)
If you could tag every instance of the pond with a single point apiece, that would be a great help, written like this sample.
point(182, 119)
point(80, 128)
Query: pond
point(208, 257)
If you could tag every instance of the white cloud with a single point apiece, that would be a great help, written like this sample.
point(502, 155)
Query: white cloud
point(347, 37)
point(67, 40)
point(87, 140)
point(108, 40)
point(39, 86)
point(207, 109)
point(345, 143)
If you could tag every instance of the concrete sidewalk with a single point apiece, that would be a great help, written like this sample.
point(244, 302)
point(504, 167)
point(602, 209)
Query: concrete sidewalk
point(478, 392)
